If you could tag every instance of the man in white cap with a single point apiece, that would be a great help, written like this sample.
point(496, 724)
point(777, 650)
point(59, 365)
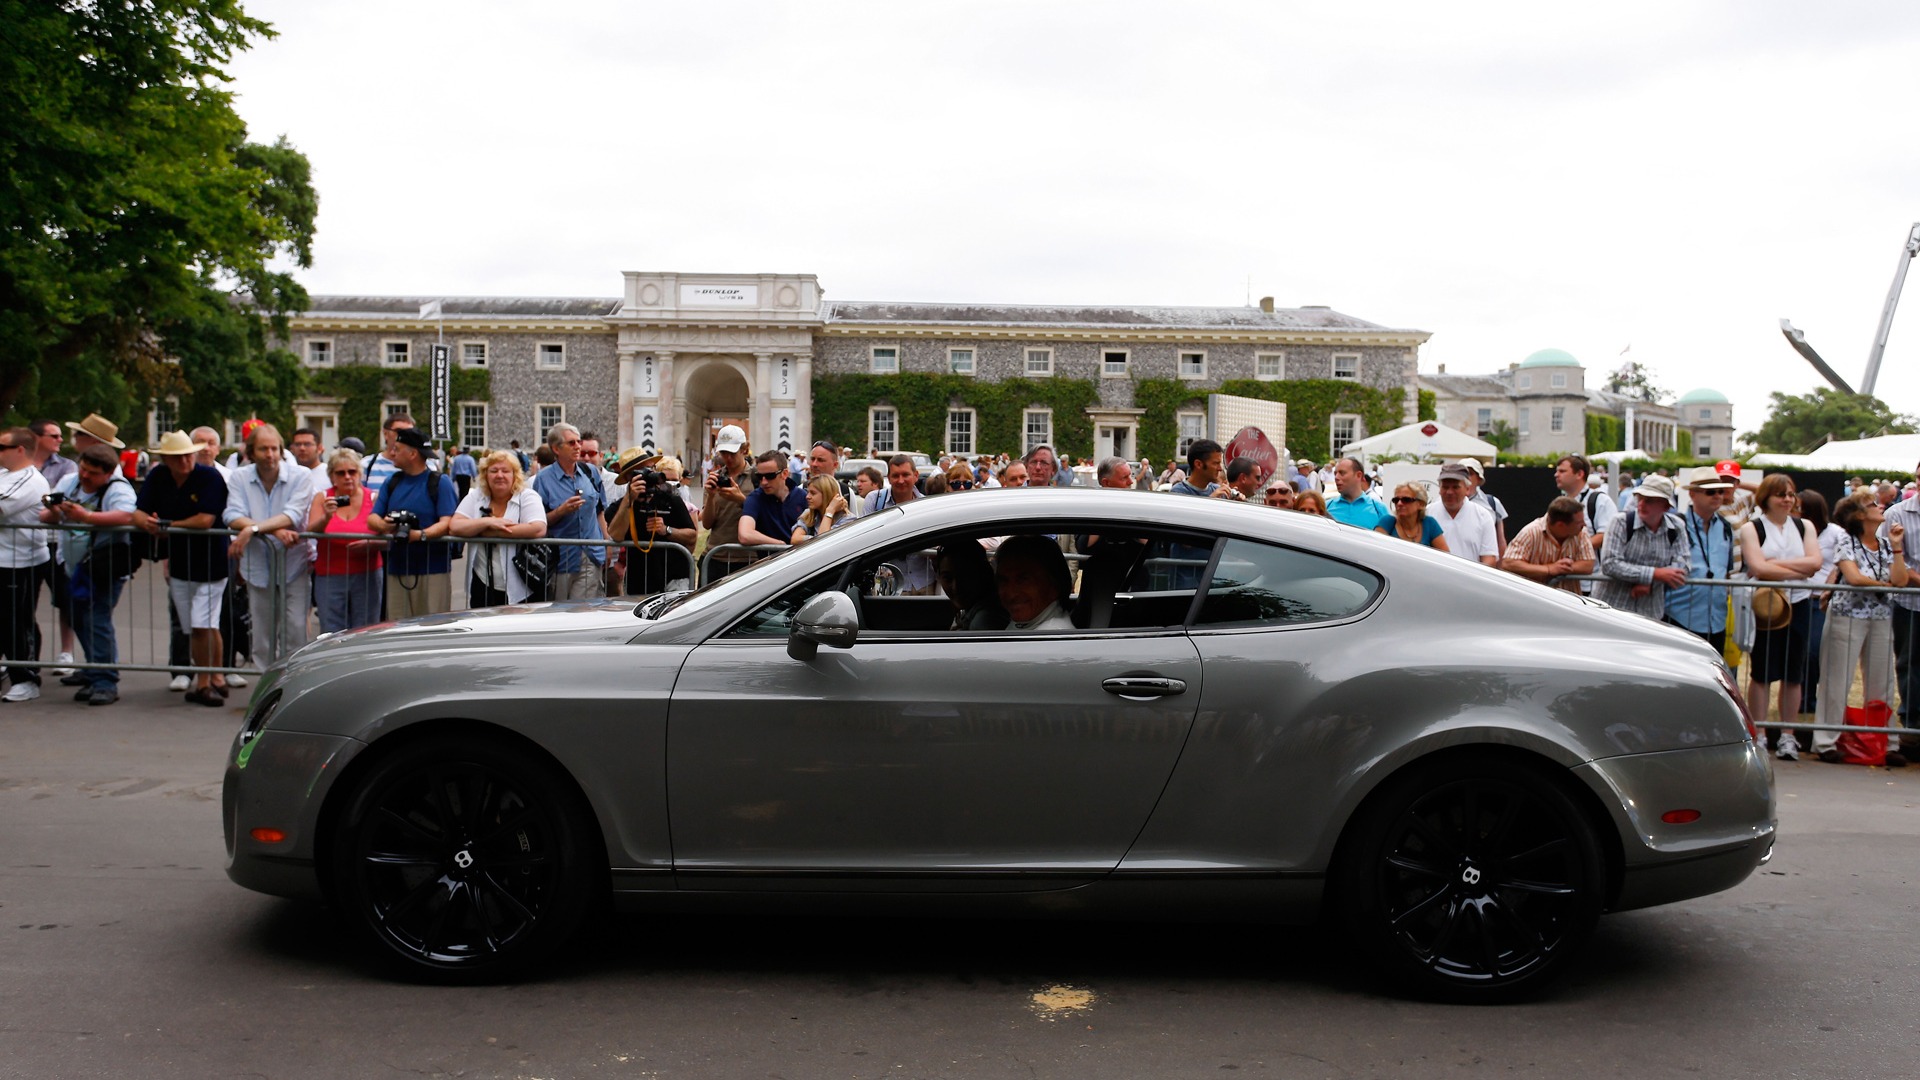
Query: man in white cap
point(1476, 484)
point(1468, 526)
point(722, 496)
point(1646, 553)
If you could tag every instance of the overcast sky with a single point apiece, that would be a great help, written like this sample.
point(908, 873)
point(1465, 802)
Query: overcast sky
point(1675, 177)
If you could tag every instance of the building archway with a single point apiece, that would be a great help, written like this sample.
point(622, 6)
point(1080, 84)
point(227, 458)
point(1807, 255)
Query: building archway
point(714, 388)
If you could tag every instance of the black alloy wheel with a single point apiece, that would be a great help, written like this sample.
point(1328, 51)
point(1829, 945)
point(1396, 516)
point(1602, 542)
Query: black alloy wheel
point(466, 860)
point(1472, 879)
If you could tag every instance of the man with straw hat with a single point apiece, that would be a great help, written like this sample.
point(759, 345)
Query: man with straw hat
point(187, 495)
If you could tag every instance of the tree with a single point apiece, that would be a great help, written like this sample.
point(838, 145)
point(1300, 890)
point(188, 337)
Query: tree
point(1502, 435)
point(1634, 381)
point(141, 227)
point(1798, 423)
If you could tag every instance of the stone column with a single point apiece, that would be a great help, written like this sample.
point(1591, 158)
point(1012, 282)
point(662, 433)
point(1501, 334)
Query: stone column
point(625, 432)
point(762, 402)
point(803, 399)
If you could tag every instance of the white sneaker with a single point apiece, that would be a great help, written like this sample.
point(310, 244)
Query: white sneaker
point(237, 681)
point(25, 691)
point(65, 660)
point(1788, 749)
point(179, 683)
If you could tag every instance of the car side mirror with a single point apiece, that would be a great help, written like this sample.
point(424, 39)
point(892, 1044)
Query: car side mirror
point(829, 618)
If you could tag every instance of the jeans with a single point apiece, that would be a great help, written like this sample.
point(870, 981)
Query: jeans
point(347, 601)
point(92, 619)
point(1906, 639)
point(19, 633)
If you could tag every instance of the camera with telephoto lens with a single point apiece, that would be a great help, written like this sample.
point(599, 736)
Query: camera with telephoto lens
point(53, 498)
point(403, 523)
point(658, 497)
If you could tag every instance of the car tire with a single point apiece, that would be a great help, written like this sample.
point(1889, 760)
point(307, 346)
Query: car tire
point(1470, 878)
point(466, 859)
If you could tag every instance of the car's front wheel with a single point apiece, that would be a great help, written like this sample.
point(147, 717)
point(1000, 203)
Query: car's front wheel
point(465, 859)
point(1471, 878)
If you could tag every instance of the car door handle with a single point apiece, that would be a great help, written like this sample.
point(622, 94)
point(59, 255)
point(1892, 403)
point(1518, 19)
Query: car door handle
point(1141, 687)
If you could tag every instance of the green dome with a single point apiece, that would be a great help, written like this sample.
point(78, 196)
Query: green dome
point(1703, 396)
point(1550, 358)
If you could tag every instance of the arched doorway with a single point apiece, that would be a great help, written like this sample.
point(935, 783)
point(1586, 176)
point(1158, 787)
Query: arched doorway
point(714, 388)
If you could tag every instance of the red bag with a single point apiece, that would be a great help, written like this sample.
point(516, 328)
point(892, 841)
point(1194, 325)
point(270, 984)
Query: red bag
point(1865, 747)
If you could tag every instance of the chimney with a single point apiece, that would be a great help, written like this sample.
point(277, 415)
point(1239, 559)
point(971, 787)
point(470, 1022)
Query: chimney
point(1443, 369)
point(1266, 304)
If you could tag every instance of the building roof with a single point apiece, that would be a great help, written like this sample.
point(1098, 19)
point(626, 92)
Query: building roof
point(470, 307)
point(1094, 316)
point(1467, 386)
point(1702, 396)
point(1550, 358)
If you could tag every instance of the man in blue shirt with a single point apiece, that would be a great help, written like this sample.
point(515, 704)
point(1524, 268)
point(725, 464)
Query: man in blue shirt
point(1203, 470)
point(1355, 505)
point(772, 508)
point(419, 569)
point(1702, 609)
point(463, 469)
point(571, 491)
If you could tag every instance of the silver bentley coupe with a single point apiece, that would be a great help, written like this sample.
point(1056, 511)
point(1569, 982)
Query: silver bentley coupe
point(1059, 703)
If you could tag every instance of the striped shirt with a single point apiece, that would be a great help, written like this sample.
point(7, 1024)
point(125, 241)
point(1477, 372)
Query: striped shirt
point(1907, 513)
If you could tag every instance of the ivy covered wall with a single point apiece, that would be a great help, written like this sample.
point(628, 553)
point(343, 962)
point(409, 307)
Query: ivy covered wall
point(840, 404)
point(1310, 402)
point(364, 387)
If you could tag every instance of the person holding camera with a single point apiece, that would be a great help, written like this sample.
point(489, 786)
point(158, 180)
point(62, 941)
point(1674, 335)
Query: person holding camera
point(650, 513)
point(346, 571)
point(415, 506)
point(502, 505)
point(95, 566)
point(723, 494)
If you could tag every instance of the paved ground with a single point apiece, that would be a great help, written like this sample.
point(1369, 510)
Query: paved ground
point(128, 953)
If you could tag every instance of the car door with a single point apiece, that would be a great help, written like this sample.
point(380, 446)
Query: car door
point(985, 759)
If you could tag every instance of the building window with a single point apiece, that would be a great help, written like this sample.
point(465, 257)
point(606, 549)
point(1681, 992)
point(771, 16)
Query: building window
point(1559, 423)
point(1192, 365)
point(1703, 448)
point(883, 431)
point(1706, 415)
point(1559, 379)
point(886, 360)
point(1039, 429)
point(1270, 365)
point(1526, 420)
point(162, 418)
point(1039, 362)
point(319, 354)
point(960, 361)
point(1192, 427)
point(550, 356)
point(1525, 382)
point(1346, 366)
point(1113, 363)
point(473, 354)
point(960, 424)
point(401, 407)
point(473, 424)
point(1346, 430)
point(1483, 422)
point(545, 417)
point(396, 354)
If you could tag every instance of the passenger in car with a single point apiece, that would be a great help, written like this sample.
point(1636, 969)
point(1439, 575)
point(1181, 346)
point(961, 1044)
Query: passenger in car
point(1034, 583)
point(967, 578)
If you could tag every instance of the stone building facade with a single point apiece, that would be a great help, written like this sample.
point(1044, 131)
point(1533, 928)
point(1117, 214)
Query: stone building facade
point(677, 355)
point(1545, 401)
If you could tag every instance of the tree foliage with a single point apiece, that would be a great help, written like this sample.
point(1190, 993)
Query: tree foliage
point(1635, 380)
point(141, 227)
point(1796, 423)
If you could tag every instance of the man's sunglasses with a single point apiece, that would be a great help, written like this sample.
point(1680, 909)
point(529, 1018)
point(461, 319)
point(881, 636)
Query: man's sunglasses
point(763, 477)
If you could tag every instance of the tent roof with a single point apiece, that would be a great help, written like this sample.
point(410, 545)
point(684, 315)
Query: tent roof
point(1448, 443)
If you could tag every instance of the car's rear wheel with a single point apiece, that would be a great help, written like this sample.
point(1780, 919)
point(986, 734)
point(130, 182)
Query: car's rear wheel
point(1471, 878)
point(465, 859)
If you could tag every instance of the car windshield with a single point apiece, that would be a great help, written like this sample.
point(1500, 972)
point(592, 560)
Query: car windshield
point(713, 592)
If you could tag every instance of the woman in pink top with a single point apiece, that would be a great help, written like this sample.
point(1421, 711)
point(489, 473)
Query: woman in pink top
point(347, 581)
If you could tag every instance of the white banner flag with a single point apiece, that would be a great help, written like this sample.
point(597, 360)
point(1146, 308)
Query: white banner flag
point(430, 309)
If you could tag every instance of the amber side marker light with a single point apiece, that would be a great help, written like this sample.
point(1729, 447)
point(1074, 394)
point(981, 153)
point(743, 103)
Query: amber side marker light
point(1671, 817)
point(275, 836)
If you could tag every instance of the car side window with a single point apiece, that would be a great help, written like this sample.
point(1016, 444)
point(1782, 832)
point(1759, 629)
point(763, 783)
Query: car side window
point(1256, 584)
point(775, 619)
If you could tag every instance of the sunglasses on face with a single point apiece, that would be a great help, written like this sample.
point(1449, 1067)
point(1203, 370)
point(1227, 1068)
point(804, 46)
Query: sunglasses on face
point(959, 485)
point(1399, 499)
point(763, 477)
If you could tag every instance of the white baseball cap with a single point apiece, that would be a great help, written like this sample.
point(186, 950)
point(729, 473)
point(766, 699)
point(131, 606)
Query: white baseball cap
point(730, 439)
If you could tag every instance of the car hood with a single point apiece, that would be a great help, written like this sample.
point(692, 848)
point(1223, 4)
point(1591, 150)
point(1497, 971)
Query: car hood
point(577, 620)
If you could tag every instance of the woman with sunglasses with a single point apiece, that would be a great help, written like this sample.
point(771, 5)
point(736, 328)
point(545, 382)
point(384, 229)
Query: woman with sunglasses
point(1410, 520)
point(347, 579)
point(960, 478)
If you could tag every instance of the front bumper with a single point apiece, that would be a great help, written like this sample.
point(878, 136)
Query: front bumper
point(279, 780)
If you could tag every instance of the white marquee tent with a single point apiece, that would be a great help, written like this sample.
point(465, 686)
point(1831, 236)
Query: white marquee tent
point(1423, 439)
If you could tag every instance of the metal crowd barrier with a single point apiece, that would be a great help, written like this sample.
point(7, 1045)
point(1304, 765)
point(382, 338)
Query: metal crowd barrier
point(1813, 641)
point(751, 553)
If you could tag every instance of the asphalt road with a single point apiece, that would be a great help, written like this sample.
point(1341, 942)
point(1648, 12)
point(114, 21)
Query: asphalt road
point(128, 953)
